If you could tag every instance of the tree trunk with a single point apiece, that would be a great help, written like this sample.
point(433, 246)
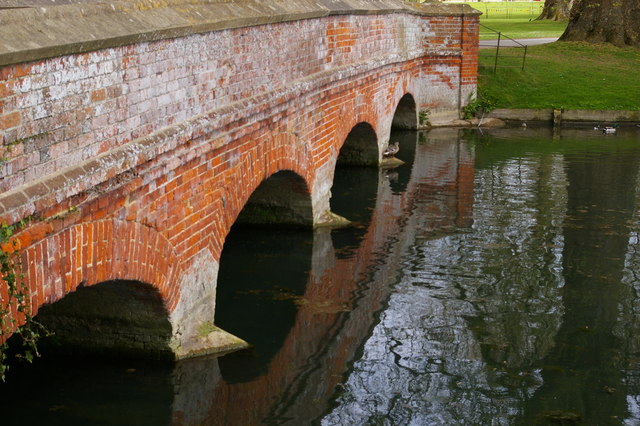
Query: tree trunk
point(605, 21)
point(556, 10)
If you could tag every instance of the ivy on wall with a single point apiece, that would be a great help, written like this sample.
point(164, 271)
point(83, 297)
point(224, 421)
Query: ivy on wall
point(14, 297)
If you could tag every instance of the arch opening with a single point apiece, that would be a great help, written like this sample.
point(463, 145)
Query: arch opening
point(406, 115)
point(360, 148)
point(263, 269)
point(283, 199)
point(117, 318)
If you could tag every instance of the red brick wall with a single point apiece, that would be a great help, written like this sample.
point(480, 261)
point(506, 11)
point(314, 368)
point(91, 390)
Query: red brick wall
point(339, 311)
point(134, 159)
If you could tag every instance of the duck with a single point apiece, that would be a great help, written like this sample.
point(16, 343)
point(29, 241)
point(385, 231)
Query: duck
point(391, 150)
point(609, 129)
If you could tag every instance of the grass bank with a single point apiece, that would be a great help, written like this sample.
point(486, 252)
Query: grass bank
point(515, 28)
point(509, 10)
point(565, 75)
point(516, 20)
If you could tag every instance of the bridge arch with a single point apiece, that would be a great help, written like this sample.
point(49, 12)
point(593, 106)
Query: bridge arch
point(266, 181)
point(88, 253)
point(125, 252)
point(406, 114)
point(119, 317)
point(281, 199)
point(360, 148)
point(280, 202)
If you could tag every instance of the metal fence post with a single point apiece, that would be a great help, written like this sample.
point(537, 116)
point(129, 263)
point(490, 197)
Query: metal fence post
point(495, 64)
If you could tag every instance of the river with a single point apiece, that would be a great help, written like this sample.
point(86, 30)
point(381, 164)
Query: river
point(493, 279)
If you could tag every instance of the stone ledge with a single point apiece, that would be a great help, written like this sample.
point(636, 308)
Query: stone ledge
point(567, 115)
point(38, 32)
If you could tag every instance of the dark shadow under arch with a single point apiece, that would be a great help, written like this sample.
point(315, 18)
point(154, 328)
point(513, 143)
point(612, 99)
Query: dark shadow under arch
point(360, 148)
point(282, 199)
point(406, 115)
point(114, 318)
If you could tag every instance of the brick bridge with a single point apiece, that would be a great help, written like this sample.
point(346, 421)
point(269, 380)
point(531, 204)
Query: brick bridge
point(135, 134)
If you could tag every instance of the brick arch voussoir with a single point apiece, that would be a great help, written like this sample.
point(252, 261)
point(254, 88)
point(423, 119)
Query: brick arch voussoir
point(93, 252)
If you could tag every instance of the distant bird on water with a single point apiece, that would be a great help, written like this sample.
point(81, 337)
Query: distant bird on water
point(609, 130)
point(391, 150)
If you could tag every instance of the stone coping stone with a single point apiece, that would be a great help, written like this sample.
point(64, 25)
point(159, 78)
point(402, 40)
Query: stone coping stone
point(567, 115)
point(37, 29)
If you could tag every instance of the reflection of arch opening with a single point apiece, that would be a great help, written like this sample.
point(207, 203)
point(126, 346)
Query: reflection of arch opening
point(360, 148)
point(262, 278)
point(124, 318)
point(406, 116)
point(282, 199)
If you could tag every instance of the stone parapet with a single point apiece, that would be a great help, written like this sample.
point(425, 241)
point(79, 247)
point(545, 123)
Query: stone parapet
point(29, 33)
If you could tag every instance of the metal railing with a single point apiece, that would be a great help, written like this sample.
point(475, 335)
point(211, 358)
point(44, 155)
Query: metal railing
point(508, 60)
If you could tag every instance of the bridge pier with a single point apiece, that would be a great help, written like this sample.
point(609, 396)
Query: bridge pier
point(194, 332)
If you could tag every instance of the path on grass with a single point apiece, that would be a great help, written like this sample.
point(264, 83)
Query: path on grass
point(505, 42)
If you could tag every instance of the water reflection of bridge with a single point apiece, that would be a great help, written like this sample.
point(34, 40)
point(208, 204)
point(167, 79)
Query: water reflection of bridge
point(302, 376)
point(531, 317)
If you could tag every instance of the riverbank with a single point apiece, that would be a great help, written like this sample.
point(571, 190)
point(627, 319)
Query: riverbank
point(562, 83)
point(559, 116)
point(502, 117)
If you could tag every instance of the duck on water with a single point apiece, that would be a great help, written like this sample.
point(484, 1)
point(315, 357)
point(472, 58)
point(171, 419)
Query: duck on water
point(607, 129)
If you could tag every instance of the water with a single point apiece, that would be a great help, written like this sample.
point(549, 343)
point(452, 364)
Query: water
point(492, 279)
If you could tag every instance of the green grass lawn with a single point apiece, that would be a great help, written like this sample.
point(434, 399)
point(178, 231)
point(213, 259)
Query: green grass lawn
point(565, 75)
point(506, 10)
point(516, 20)
point(521, 28)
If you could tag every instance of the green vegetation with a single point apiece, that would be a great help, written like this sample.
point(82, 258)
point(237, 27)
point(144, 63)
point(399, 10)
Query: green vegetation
point(15, 297)
point(479, 104)
point(557, 75)
point(564, 75)
point(509, 10)
point(515, 28)
point(516, 20)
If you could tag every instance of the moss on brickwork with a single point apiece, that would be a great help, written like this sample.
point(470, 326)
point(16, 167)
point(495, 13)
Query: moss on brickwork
point(206, 328)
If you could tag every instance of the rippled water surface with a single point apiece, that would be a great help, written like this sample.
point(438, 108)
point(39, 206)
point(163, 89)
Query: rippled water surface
point(491, 279)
